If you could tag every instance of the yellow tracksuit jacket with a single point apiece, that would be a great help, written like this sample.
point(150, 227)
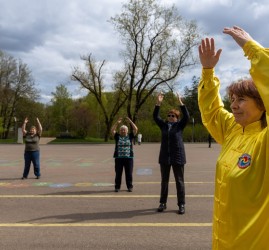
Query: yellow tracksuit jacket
point(241, 200)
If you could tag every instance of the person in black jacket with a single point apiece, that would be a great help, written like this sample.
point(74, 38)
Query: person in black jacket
point(172, 152)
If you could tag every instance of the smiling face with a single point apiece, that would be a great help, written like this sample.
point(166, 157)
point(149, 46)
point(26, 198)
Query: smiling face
point(33, 130)
point(245, 110)
point(123, 130)
point(246, 103)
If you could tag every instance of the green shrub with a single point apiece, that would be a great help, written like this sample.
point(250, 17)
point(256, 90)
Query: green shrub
point(196, 133)
point(150, 131)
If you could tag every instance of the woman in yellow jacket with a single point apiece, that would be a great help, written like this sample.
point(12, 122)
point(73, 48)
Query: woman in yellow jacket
point(241, 200)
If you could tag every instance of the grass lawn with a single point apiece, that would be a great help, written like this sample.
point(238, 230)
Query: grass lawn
point(65, 140)
point(78, 141)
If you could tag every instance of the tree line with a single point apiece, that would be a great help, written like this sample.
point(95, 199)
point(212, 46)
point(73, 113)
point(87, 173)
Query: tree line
point(157, 47)
point(83, 117)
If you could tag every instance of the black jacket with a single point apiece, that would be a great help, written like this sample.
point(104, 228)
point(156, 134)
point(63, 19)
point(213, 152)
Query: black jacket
point(172, 147)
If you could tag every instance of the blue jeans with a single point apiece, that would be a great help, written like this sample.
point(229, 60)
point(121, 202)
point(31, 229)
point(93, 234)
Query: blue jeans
point(31, 156)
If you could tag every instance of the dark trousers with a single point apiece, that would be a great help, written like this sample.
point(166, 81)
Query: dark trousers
point(31, 156)
point(127, 164)
point(179, 178)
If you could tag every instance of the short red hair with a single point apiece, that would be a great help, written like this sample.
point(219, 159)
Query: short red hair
point(175, 112)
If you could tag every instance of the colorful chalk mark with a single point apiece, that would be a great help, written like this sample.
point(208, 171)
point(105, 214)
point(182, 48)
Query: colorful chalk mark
point(42, 184)
point(103, 184)
point(78, 185)
point(144, 171)
point(82, 162)
point(60, 185)
point(53, 185)
point(85, 184)
point(53, 163)
point(7, 163)
point(85, 164)
point(18, 185)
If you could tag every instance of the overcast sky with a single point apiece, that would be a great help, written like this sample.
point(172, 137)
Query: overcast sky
point(50, 36)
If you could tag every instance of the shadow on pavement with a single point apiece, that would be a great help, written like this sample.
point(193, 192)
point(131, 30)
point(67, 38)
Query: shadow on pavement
point(83, 217)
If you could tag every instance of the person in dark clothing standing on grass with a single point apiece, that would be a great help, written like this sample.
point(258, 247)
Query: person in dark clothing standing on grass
point(124, 153)
point(172, 152)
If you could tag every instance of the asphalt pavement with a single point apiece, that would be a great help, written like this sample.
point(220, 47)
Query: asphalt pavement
point(73, 205)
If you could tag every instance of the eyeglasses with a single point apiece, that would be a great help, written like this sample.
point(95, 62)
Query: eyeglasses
point(171, 116)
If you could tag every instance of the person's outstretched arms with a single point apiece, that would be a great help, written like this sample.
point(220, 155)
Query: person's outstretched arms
point(207, 54)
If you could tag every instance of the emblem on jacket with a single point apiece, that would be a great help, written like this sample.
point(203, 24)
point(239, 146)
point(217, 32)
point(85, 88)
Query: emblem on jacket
point(244, 161)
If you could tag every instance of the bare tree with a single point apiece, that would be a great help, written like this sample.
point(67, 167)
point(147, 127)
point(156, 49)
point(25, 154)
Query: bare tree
point(92, 80)
point(16, 82)
point(158, 48)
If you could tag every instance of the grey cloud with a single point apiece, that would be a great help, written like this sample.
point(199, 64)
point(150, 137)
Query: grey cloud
point(51, 35)
point(214, 16)
point(23, 39)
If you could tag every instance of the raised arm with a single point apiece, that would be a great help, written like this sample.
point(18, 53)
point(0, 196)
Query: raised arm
point(238, 34)
point(114, 127)
point(24, 126)
point(39, 126)
point(209, 99)
point(159, 99)
point(135, 129)
point(259, 59)
point(156, 111)
point(179, 99)
point(207, 54)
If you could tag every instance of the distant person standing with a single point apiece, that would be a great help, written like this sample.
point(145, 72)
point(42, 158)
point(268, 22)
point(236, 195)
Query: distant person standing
point(32, 150)
point(124, 153)
point(172, 152)
point(209, 140)
point(139, 138)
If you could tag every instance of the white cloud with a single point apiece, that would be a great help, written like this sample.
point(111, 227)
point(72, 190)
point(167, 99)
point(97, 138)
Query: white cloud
point(202, 6)
point(259, 10)
point(51, 35)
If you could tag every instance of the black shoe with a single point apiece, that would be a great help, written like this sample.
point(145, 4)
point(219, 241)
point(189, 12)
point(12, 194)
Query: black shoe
point(130, 190)
point(161, 207)
point(116, 190)
point(23, 178)
point(38, 177)
point(181, 209)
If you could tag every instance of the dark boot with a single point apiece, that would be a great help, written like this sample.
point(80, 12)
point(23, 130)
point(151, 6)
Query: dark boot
point(161, 207)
